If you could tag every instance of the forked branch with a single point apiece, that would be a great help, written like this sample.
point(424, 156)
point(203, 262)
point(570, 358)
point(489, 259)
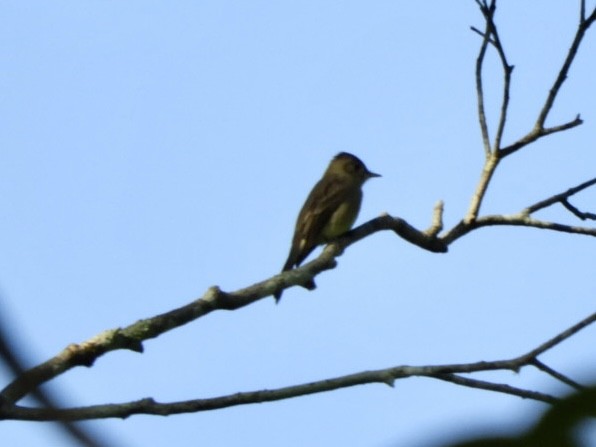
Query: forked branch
point(385, 376)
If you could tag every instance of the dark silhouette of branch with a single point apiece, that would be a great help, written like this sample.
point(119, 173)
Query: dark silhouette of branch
point(9, 354)
point(556, 428)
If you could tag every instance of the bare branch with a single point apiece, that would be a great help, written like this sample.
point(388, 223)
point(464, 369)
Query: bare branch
point(557, 375)
point(559, 338)
point(507, 69)
point(590, 19)
point(488, 170)
point(521, 220)
point(536, 134)
point(499, 387)
point(582, 215)
point(132, 336)
point(385, 376)
point(559, 198)
point(516, 220)
point(492, 155)
point(523, 217)
point(491, 35)
point(572, 52)
point(479, 87)
point(482, 34)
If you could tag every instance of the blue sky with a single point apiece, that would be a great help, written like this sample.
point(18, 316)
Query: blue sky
point(152, 149)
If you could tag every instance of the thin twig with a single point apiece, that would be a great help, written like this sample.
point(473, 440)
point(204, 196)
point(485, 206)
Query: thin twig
point(574, 210)
point(482, 34)
point(559, 198)
point(536, 134)
point(491, 155)
point(523, 218)
point(479, 87)
point(591, 19)
point(499, 387)
point(514, 220)
point(561, 337)
point(557, 375)
point(572, 52)
point(523, 221)
point(507, 69)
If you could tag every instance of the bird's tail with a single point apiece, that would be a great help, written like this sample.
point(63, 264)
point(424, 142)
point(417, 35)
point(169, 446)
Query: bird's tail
point(289, 265)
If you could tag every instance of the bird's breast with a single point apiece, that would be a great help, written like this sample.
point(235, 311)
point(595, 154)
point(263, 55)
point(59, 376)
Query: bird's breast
point(343, 217)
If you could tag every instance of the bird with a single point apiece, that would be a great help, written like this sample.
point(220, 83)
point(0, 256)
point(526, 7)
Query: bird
point(329, 210)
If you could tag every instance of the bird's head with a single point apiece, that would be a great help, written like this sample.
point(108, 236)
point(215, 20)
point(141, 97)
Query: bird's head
point(350, 166)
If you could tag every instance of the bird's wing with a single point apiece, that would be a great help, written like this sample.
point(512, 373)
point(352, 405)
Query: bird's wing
point(324, 199)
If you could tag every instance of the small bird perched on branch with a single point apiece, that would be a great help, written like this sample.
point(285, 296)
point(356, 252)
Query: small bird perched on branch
point(330, 209)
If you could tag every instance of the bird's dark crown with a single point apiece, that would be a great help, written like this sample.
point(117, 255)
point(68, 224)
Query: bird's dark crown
point(350, 166)
point(347, 156)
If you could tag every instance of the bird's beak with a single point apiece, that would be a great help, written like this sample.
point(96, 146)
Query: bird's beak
point(372, 174)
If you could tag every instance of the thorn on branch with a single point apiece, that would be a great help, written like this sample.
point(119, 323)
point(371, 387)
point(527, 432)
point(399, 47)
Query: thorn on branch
point(389, 380)
point(127, 342)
